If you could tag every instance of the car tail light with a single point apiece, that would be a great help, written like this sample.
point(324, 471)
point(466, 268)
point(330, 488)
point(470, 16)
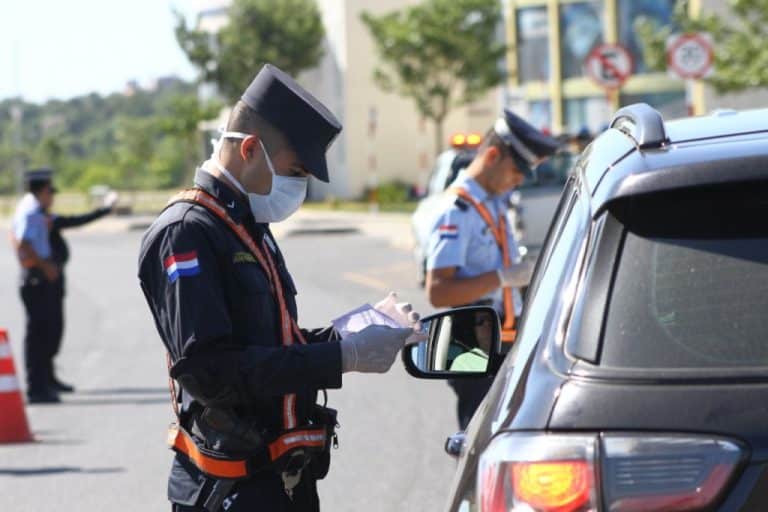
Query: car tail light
point(532, 472)
point(651, 473)
point(613, 472)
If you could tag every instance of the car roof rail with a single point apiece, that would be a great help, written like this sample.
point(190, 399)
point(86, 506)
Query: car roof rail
point(642, 123)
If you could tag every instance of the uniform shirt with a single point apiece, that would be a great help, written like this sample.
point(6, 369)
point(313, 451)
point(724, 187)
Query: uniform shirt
point(30, 224)
point(215, 312)
point(461, 238)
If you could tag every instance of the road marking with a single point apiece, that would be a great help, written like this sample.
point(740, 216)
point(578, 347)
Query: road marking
point(370, 282)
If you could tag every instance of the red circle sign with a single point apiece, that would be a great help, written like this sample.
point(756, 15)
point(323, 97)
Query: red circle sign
point(690, 56)
point(610, 65)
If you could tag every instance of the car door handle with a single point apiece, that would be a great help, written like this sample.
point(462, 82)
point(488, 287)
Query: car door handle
point(455, 443)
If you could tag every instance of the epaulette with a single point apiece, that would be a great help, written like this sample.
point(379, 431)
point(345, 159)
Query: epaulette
point(461, 204)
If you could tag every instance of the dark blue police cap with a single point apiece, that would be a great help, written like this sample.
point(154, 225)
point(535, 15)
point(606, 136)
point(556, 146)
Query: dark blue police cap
point(38, 177)
point(527, 144)
point(307, 124)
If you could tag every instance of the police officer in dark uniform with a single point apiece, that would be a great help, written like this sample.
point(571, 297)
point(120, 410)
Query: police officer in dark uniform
point(60, 256)
point(472, 256)
point(39, 273)
point(251, 435)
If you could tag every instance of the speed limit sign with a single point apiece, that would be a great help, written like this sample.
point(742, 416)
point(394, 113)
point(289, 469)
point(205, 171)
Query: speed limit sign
point(690, 56)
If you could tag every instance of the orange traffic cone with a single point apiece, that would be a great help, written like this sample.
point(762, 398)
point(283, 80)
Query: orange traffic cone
point(13, 420)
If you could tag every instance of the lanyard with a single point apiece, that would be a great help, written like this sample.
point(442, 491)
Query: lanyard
point(289, 329)
point(499, 231)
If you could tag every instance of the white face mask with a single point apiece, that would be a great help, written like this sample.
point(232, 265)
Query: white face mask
point(284, 198)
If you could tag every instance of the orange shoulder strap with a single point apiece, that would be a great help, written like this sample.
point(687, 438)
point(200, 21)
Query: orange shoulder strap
point(288, 327)
point(508, 331)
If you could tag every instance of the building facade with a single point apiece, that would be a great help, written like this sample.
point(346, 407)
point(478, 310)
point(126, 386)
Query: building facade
point(551, 39)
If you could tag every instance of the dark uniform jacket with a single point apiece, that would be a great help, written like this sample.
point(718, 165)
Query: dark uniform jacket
point(59, 247)
point(219, 321)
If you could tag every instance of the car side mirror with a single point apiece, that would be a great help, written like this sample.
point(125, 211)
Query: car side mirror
point(461, 343)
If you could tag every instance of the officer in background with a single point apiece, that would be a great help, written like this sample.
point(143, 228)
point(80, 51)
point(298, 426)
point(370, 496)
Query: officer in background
point(251, 435)
point(472, 255)
point(39, 274)
point(60, 256)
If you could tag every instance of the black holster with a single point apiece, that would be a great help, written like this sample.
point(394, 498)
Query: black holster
point(321, 461)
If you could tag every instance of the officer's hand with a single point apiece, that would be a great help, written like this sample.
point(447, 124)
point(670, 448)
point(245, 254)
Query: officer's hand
point(516, 275)
point(400, 312)
point(110, 200)
point(372, 350)
point(50, 271)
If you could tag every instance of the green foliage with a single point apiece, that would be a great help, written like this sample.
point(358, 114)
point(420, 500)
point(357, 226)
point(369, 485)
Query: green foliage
point(441, 53)
point(393, 192)
point(741, 55)
point(288, 34)
point(147, 140)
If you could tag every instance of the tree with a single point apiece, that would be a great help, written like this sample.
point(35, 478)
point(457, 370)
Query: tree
point(180, 118)
point(442, 54)
point(288, 34)
point(741, 55)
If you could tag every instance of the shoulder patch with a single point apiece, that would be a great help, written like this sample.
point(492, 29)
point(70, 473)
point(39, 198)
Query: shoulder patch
point(181, 265)
point(461, 204)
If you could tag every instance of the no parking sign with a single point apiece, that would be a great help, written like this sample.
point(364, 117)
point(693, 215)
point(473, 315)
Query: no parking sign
point(610, 65)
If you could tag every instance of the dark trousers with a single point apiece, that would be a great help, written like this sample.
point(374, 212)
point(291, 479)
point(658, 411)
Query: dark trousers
point(469, 394)
point(57, 319)
point(40, 304)
point(265, 495)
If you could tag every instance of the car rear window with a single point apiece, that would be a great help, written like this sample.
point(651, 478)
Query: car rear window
point(691, 283)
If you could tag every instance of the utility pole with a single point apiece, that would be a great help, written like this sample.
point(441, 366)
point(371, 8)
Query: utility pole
point(17, 116)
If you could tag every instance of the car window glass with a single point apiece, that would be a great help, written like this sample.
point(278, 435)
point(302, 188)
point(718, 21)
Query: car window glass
point(691, 286)
point(565, 243)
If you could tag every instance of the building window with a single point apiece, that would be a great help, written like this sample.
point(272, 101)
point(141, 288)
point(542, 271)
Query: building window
point(658, 12)
point(533, 44)
point(671, 105)
point(540, 114)
point(585, 115)
point(581, 27)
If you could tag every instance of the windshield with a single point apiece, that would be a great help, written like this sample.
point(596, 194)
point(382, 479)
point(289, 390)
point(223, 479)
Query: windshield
point(691, 285)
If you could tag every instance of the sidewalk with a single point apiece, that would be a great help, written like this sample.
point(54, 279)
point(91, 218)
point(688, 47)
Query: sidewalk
point(393, 227)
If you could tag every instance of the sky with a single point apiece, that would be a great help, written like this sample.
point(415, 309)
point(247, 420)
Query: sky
point(66, 48)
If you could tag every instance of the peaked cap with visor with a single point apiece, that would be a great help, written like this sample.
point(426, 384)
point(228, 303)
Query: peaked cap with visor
point(526, 144)
point(307, 124)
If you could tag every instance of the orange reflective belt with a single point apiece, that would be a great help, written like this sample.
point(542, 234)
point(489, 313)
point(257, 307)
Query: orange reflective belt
point(220, 466)
point(499, 231)
point(288, 327)
point(182, 442)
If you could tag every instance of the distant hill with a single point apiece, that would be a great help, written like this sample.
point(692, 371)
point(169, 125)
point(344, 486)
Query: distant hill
point(138, 139)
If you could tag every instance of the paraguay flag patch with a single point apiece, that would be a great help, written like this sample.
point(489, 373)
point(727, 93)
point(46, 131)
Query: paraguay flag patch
point(448, 232)
point(181, 265)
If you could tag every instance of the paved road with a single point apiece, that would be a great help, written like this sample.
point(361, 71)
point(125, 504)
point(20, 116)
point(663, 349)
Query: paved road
point(103, 448)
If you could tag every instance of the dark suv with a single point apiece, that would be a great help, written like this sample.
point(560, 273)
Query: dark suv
point(639, 379)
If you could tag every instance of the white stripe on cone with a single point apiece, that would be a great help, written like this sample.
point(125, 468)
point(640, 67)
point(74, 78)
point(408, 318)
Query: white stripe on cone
point(8, 383)
point(5, 351)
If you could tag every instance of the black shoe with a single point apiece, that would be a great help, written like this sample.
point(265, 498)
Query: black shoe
point(43, 397)
point(61, 387)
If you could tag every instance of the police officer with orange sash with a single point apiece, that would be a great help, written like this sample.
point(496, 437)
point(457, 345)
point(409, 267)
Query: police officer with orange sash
point(245, 378)
point(472, 256)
